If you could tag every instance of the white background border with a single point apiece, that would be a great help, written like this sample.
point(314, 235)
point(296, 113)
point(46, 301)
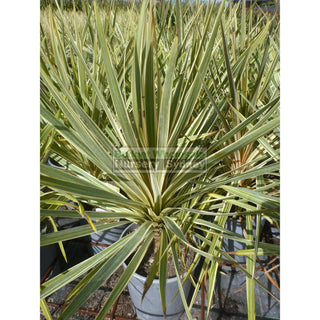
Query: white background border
point(300, 191)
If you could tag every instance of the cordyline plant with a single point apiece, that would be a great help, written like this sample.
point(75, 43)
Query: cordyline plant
point(183, 121)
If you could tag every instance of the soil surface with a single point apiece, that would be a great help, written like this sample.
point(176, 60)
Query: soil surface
point(145, 268)
point(148, 261)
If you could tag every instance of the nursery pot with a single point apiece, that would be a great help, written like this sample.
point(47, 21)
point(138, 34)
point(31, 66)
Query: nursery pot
point(229, 281)
point(48, 255)
point(150, 308)
point(232, 245)
point(52, 163)
point(107, 237)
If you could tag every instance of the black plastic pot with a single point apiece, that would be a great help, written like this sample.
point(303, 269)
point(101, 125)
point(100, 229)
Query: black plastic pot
point(48, 256)
point(77, 251)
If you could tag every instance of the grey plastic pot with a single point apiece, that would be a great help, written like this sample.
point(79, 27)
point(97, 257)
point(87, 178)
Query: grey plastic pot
point(52, 163)
point(107, 237)
point(150, 308)
point(230, 279)
point(232, 245)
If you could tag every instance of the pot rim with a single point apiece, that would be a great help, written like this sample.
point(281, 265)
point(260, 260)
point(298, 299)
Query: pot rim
point(51, 164)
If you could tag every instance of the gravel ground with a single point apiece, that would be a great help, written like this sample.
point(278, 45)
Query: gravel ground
point(230, 303)
point(230, 300)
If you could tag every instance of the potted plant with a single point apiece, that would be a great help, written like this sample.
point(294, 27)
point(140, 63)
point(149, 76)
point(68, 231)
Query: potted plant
point(161, 144)
point(146, 303)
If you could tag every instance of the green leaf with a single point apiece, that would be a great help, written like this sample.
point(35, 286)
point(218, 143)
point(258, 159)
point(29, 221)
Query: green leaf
point(258, 198)
point(107, 269)
point(115, 91)
point(164, 112)
point(126, 276)
point(63, 252)
point(77, 232)
point(176, 230)
point(64, 181)
point(45, 309)
point(92, 214)
point(71, 274)
point(163, 251)
point(178, 277)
